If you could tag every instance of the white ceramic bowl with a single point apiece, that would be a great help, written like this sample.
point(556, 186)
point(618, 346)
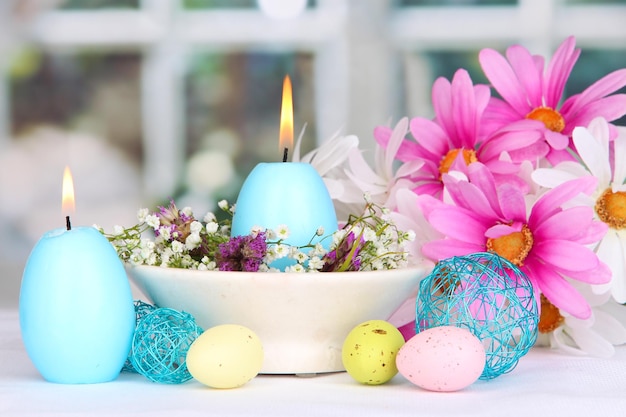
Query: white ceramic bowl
point(302, 319)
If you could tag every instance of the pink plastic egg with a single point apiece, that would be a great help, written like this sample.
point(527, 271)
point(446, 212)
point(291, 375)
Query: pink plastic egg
point(444, 358)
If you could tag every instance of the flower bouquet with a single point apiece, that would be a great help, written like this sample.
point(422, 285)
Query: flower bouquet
point(517, 169)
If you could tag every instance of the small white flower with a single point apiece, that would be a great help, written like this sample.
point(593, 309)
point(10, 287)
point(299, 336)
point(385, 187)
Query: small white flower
point(295, 268)
point(192, 241)
point(270, 235)
point(318, 251)
point(380, 249)
point(145, 252)
point(211, 227)
point(153, 221)
point(152, 259)
point(195, 227)
point(142, 214)
point(369, 234)
point(280, 251)
point(165, 233)
point(223, 204)
point(118, 230)
point(338, 236)
point(135, 259)
point(315, 263)
point(165, 256)
point(187, 211)
point(299, 256)
point(255, 230)
point(177, 247)
point(282, 231)
point(147, 243)
point(209, 217)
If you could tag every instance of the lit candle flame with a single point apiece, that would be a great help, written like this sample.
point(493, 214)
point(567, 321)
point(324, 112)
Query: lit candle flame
point(286, 119)
point(68, 206)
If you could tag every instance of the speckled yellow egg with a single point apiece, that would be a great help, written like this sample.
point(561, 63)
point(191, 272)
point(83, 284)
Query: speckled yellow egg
point(369, 352)
point(225, 356)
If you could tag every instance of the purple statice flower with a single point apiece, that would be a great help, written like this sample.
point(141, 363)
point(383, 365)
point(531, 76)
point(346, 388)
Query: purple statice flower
point(178, 222)
point(346, 256)
point(242, 253)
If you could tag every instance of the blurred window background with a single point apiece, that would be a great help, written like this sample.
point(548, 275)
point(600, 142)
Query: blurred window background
point(148, 100)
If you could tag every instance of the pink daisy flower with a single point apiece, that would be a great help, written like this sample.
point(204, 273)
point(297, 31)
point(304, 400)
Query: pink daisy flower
point(530, 92)
point(453, 140)
point(549, 244)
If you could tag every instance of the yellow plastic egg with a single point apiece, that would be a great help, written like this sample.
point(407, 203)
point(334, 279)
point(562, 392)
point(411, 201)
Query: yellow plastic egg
point(369, 352)
point(225, 356)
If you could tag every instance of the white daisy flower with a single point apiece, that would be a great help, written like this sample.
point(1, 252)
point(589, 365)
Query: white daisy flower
point(381, 183)
point(609, 198)
point(596, 336)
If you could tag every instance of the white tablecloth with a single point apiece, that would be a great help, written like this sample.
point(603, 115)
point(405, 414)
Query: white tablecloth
point(545, 383)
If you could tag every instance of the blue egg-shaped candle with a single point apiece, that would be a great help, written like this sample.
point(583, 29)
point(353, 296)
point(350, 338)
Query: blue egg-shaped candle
point(76, 309)
point(285, 193)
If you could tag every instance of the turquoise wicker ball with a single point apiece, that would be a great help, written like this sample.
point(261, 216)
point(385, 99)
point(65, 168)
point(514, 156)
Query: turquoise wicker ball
point(141, 309)
point(490, 297)
point(160, 344)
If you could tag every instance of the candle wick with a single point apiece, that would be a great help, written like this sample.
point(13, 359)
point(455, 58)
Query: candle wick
point(68, 224)
point(285, 153)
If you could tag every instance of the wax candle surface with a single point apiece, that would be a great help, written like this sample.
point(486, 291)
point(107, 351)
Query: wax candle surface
point(76, 308)
point(289, 193)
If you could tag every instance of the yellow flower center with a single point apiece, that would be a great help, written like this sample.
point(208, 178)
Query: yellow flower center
point(514, 246)
point(611, 208)
point(551, 118)
point(550, 318)
point(446, 162)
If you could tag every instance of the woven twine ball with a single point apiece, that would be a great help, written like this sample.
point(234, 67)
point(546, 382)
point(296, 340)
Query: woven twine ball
point(141, 309)
point(490, 297)
point(160, 344)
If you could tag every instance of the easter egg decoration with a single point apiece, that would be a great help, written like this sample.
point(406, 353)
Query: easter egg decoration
point(225, 356)
point(444, 358)
point(369, 352)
